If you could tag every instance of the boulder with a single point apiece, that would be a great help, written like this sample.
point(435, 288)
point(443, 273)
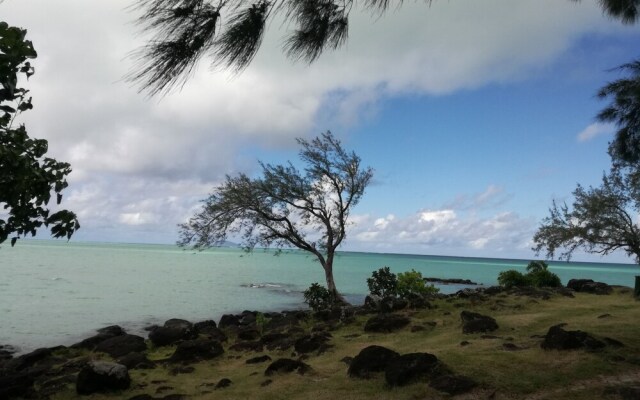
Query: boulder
point(102, 376)
point(196, 350)
point(136, 360)
point(228, 321)
point(409, 368)
point(386, 323)
point(453, 384)
point(103, 334)
point(259, 359)
point(247, 345)
point(203, 326)
point(309, 343)
point(477, 323)
point(223, 383)
point(172, 331)
point(371, 359)
point(248, 334)
point(28, 360)
point(286, 365)
point(560, 339)
point(16, 385)
point(122, 345)
point(589, 286)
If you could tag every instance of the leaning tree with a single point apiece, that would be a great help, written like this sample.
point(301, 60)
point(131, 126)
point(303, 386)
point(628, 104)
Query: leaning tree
point(601, 220)
point(232, 30)
point(286, 207)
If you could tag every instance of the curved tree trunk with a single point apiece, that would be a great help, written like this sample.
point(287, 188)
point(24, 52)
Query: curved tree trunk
point(331, 285)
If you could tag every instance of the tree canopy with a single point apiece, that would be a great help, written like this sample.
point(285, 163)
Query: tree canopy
point(27, 177)
point(184, 31)
point(286, 207)
point(601, 219)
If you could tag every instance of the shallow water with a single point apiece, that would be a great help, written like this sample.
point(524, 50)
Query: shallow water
point(53, 292)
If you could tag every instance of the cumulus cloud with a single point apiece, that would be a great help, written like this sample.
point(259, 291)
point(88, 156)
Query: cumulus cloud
point(594, 130)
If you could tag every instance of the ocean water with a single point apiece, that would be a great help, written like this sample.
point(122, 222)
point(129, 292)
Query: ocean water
point(55, 292)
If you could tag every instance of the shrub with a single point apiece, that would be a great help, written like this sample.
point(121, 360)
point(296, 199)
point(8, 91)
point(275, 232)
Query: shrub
point(318, 297)
point(544, 278)
point(537, 275)
point(513, 278)
point(383, 283)
point(411, 284)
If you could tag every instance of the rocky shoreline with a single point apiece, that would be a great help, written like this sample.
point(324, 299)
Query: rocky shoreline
point(102, 363)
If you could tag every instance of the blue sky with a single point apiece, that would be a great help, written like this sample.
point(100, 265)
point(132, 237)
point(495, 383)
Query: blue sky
point(469, 114)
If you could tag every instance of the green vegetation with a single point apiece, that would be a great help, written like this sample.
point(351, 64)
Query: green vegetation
point(383, 283)
point(537, 275)
point(27, 176)
point(318, 297)
point(411, 285)
point(232, 31)
point(280, 208)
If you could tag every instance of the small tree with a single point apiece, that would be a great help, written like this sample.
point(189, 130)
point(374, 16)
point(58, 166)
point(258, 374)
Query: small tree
point(27, 177)
point(383, 283)
point(602, 219)
point(411, 284)
point(286, 207)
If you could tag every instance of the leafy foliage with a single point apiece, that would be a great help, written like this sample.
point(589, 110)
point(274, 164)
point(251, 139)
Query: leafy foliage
point(27, 177)
point(286, 207)
point(318, 297)
point(512, 278)
point(601, 221)
point(232, 30)
point(624, 112)
point(537, 275)
point(383, 283)
point(411, 285)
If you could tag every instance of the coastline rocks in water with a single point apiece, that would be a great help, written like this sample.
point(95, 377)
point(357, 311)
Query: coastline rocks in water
point(103, 334)
point(101, 376)
point(453, 384)
point(589, 286)
point(477, 323)
point(171, 332)
point(228, 321)
point(196, 350)
point(386, 323)
point(28, 360)
point(371, 359)
point(309, 343)
point(452, 281)
point(286, 365)
point(122, 345)
point(559, 339)
point(408, 368)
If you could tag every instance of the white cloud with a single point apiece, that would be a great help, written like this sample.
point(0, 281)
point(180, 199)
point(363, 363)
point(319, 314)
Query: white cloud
point(594, 130)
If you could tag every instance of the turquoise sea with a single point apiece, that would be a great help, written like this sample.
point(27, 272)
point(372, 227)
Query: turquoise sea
point(55, 292)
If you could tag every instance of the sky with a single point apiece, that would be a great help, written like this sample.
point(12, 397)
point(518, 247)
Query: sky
point(475, 116)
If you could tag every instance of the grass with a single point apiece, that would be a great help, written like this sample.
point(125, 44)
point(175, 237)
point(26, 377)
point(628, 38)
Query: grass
point(527, 373)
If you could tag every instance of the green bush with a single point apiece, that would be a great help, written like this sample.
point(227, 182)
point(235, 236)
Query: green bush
point(513, 278)
point(383, 283)
point(544, 278)
point(411, 284)
point(537, 275)
point(318, 297)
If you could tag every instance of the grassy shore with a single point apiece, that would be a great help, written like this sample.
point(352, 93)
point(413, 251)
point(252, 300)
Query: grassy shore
point(528, 372)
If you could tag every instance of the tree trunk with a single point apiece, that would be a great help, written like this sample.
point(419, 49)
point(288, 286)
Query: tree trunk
point(331, 285)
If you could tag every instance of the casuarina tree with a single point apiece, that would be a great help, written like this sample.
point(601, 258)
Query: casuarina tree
point(286, 207)
point(231, 31)
point(28, 178)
